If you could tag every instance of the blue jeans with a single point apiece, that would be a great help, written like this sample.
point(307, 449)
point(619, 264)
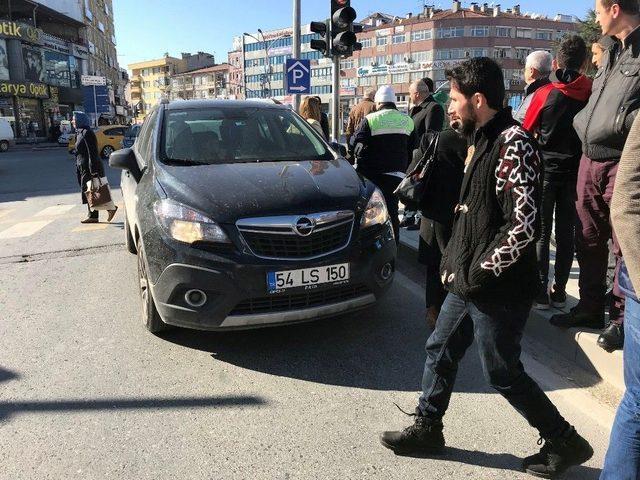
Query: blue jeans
point(623, 456)
point(497, 328)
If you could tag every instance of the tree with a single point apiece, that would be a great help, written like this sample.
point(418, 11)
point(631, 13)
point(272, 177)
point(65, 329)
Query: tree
point(589, 28)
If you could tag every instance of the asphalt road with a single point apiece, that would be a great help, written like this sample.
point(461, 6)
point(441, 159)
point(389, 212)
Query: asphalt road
point(87, 393)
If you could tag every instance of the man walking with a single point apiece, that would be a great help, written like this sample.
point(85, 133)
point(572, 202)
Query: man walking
point(537, 69)
point(381, 148)
point(550, 118)
point(361, 110)
point(603, 126)
point(489, 268)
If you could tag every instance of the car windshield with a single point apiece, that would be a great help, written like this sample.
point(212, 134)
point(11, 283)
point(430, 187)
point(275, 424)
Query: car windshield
point(239, 135)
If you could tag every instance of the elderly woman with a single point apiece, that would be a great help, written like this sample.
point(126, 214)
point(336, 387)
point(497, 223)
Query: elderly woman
point(310, 111)
point(88, 163)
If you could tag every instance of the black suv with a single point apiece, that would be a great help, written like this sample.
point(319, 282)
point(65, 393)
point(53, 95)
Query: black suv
point(242, 216)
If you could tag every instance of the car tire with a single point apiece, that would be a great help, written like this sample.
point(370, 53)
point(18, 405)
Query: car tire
point(150, 316)
point(129, 241)
point(4, 146)
point(107, 150)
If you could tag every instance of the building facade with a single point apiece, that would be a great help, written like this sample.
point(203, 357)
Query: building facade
point(208, 82)
point(151, 81)
point(397, 50)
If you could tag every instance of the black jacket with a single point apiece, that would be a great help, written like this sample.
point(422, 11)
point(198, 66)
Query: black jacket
point(324, 123)
point(429, 115)
point(550, 118)
point(381, 143)
point(88, 162)
point(603, 125)
point(491, 256)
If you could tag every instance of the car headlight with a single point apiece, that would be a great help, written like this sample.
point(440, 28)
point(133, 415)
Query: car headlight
point(376, 212)
point(187, 225)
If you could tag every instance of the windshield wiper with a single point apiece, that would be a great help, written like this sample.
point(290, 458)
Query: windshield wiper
point(185, 162)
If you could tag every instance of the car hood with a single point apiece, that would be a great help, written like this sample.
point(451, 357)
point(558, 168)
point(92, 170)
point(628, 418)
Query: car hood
point(229, 192)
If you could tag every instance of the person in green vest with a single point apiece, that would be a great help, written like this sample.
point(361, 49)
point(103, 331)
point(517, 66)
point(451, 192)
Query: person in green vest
point(382, 146)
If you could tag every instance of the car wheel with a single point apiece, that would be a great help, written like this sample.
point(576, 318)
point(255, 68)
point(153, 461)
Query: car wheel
point(129, 241)
point(4, 146)
point(107, 150)
point(150, 316)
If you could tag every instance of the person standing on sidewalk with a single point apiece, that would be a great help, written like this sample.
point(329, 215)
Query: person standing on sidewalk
point(381, 146)
point(550, 119)
point(489, 269)
point(603, 126)
point(361, 110)
point(622, 461)
point(537, 69)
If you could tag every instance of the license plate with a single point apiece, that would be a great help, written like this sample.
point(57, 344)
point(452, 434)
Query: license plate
point(307, 277)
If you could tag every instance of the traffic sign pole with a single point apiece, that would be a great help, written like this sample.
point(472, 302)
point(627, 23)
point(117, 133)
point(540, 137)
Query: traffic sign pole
point(296, 45)
point(335, 99)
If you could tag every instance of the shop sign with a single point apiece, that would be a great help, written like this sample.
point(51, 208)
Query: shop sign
point(55, 44)
point(93, 80)
point(20, 30)
point(24, 89)
point(79, 51)
point(384, 32)
point(347, 91)
point(280, 51)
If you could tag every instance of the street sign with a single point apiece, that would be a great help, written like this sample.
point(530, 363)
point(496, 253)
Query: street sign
point(298, 79)
point(93, 80)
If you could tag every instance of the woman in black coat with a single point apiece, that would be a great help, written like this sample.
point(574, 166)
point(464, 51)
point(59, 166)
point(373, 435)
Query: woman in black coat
point(437, 208)
point(88, 162)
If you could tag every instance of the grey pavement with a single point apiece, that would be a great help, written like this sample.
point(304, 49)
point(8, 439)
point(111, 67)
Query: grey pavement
point(87, 393)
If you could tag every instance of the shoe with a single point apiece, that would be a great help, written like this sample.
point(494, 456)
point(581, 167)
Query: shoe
point(558, 455)
point(112, 213)
point(612, 338)
point(578, 317)
point(558, 297)
point(90, 219)
point(423, 437)
point(541, 302)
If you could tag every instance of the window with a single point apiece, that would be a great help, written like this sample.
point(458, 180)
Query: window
point(381, 41)
point(522, 53)
point(321, 89)
point(502, 52)
point(419, 35)
point(544, 35)
point(399, 78)
point(504, 32)
point(401, 38)
point(56, 67)
point(365, 81)
point(523, 33)
point(420, 56)
point(450, 32)
point(366, 42)
point(398, 57)
point(477, 52)
point(480, 31)
point(321, 72)
point(346, 64)
point(364, 61)
point(101, 26)
point(87, 10)
point(449, 54)
point(381, 59)
point(145, 141)
point(417, 75)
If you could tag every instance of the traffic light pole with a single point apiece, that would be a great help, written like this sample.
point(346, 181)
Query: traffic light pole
point(335, 99)
point(296, 46)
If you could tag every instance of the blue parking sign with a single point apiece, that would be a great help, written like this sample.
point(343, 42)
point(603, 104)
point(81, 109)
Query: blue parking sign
point(298, 76)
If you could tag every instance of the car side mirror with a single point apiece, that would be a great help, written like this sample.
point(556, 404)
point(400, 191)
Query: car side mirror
point(125, 159)
point(339, 148)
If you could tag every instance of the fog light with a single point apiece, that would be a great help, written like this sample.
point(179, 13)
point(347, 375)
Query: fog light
point(195, 298)
point(386, 272)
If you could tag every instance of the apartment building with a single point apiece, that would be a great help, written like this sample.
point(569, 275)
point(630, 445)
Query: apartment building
point(203, 83)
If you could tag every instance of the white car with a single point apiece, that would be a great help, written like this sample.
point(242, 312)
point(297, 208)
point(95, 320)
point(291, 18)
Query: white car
point(63, 139)
point(6, 135)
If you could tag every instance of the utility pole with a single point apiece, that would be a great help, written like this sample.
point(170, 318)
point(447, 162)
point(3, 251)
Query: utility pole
point(296, 45)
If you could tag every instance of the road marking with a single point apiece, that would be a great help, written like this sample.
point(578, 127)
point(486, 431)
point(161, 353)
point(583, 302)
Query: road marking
point(90, 227)
point(54, 210)
point(4, 213)
point(24, 229)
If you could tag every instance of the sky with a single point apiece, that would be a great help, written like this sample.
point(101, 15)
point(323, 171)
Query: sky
point(146, 29)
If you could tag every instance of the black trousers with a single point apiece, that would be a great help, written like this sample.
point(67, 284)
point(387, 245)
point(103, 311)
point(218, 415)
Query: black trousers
point(387, 185)
point(434, 237)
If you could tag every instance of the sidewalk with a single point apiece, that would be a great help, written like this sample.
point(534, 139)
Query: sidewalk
point(21, 147)
point(578, 346)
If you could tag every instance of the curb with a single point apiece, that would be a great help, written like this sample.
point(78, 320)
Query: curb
point(578, 347)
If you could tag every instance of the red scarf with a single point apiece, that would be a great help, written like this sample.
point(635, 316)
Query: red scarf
point(579, 89)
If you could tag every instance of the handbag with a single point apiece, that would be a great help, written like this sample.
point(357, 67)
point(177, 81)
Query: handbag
point(99, 195)
point(413, 187)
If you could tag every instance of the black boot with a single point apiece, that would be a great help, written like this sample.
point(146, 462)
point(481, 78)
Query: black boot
point(558, 454)
point(423, 437)
point(579, 317)
point(612, 338)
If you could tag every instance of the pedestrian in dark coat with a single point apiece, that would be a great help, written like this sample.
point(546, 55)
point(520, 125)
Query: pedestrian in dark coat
point(88, 162)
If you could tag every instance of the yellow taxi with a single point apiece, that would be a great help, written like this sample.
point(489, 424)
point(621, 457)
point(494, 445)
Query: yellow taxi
point(109, 139)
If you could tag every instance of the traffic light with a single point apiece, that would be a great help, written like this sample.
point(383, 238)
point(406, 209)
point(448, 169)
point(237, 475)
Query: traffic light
point(324, 30)
point(344, 40)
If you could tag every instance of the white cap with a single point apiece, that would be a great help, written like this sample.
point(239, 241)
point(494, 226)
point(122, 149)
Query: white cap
point(385, 94)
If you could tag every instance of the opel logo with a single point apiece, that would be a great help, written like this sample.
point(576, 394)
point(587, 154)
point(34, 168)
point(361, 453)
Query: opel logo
point(304, 226)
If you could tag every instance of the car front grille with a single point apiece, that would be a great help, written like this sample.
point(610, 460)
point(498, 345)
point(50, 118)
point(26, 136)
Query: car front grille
point(278, 239)
point(298, 301)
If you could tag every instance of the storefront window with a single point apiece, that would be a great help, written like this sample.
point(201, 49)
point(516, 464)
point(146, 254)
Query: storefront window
point(31, 118)
point(74, 69)
point(57, 69)
point(33, 64)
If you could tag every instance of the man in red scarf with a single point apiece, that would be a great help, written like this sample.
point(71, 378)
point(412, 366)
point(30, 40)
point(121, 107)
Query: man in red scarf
point(550, 119)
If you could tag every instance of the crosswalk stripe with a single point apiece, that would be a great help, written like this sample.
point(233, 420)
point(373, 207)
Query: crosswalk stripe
point(54, 210)
point(24, 229)
point(90, 227)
